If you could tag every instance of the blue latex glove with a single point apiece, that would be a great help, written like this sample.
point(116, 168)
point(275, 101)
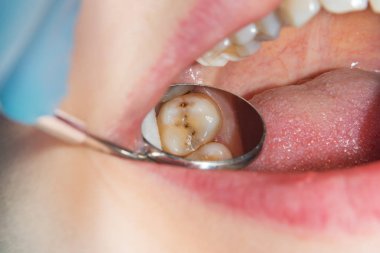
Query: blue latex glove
point(36, 38)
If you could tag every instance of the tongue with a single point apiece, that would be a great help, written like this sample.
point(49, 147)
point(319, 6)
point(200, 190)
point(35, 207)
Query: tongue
point(329, 122)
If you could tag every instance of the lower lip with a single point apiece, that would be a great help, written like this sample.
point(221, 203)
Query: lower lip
point(345, 199)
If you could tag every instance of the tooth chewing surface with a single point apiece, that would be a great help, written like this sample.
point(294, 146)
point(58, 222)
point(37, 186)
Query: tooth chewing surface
point(187, 122)
point(212, 151)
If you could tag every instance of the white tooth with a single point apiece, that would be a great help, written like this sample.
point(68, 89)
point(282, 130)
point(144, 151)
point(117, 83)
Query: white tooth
point(149, 129)
point(248, 49)
point(217, 61)
point(222, 45)
point(244, 35)
point(375, 5)
point(232, 56)
point(212, 57)
point(298, 12)
point(187, 122)
point(343, 6)
point(212, 151)
point(176, 91)
point(268, 28)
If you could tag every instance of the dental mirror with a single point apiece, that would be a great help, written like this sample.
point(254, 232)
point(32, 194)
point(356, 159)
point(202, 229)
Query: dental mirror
point(194, 126)
point(203, 127)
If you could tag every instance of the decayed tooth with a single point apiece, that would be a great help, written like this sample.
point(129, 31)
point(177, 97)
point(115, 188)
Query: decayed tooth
point(375, 5)
point(212, 57)
point(187, 122)
point(244, 35)
point(212, 151)
point(268, 28)
point(298, 12)
point(343, 6)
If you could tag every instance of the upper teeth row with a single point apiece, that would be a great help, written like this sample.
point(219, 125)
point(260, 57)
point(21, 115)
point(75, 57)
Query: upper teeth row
point(246, 41)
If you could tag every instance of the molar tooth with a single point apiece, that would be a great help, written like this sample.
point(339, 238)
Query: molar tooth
point(149, 129)
point(343, 6)
point(248, 48)
point(217, 61)
point(375, 5)
point(268, 27)
point(212, 151)
point(298, 12)
point(230, 54)
point(244, 35)
point(212, 57)
point(187, 122)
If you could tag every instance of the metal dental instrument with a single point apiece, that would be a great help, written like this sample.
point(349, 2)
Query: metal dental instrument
point(250, 125)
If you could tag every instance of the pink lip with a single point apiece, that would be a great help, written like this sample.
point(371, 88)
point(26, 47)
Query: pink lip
point(348, 199)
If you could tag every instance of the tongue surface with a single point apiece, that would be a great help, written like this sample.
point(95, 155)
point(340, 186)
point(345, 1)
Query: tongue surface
point(329, 122)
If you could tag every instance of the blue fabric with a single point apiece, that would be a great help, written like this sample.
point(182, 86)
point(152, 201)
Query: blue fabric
point(36, 38)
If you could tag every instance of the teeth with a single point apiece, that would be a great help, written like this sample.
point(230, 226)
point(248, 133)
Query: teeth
point(343, 6)
point(375, 5)
point(212, 151)
point(245, 42)
point(298, 12)
point(268, 28)
point(244, 35)
point(213, 57)
point(217, 61)
point(187, 122)
point(149, 129)
point(248, 49)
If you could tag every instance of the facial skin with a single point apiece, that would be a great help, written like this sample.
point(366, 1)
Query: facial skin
point(60, 198)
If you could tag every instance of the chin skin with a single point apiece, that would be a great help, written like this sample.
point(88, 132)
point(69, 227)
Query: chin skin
point(58, 198)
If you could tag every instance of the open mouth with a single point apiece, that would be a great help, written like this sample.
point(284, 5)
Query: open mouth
point(318, 90)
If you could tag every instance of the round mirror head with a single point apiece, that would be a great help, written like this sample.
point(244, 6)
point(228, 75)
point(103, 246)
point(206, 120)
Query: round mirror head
point(203, 127)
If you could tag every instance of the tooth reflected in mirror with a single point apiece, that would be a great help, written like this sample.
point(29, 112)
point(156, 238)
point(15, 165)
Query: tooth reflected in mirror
point(187, 122)
point(201, 123)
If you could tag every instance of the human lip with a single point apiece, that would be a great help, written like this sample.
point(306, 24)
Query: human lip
point(319, 202)
point(296, 200)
